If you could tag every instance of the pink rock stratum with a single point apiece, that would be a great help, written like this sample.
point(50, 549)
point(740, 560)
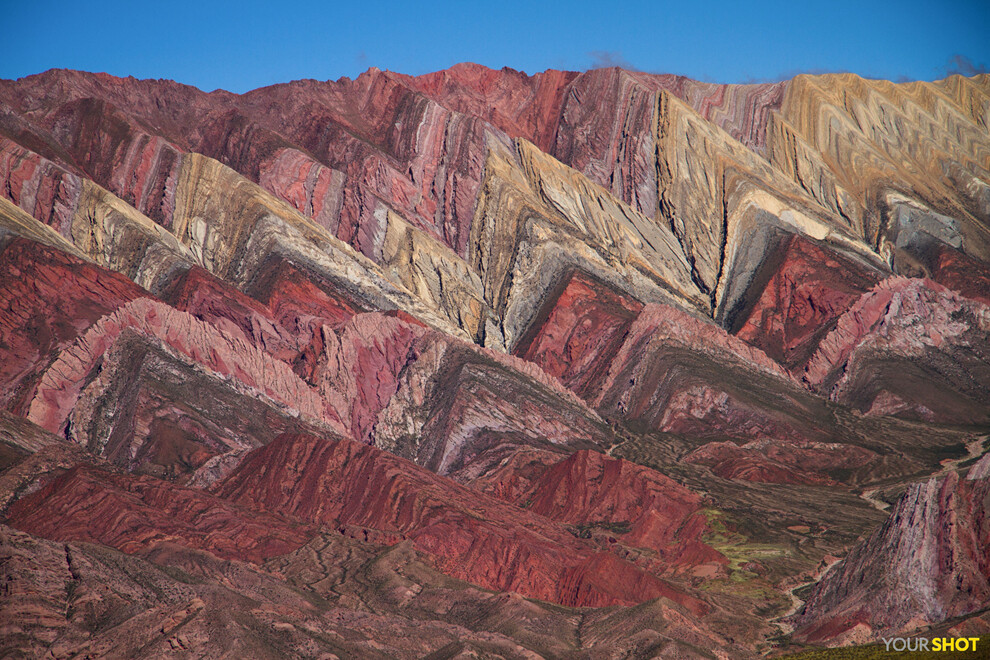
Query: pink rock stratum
point(599, 364)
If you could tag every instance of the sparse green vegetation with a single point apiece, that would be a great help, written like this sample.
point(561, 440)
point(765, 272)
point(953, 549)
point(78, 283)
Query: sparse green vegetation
point(869, 652)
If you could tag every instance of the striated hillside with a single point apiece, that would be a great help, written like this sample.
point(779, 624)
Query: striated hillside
point(486, 364)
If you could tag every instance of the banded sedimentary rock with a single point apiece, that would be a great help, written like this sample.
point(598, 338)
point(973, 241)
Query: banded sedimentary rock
point(424, 317)
point(618, 500)
point(119, 605)
point(771, 461)
point(926, 564)
point(134, 513)
point(462, 411)
point(439, 277)
point(15, 222)
point(726, 205)
point(232, 235)
point(538, 220)
point(807, 288)
point(915, 153)
point(578, 325)
point(101, 225)
point(470, 535)
point(231, 357)
point(49, 298)
point(213, 300)
point(898, 339)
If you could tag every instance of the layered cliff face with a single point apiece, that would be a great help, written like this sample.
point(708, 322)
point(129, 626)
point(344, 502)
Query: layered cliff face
point(927, 563)
point(478, 362)
point(470, 536)
point(910, 348)
point(910, 159)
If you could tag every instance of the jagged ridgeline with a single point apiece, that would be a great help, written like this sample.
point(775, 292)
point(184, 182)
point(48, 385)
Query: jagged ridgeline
point(478, 363)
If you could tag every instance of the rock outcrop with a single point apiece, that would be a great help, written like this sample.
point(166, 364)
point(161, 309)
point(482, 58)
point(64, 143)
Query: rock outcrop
point(414, 366)
point(890, 348)
point(469, 535)
point(926, 564)
point(134, 513)
point(48, 298)
point(619, 500)
point(807, 288)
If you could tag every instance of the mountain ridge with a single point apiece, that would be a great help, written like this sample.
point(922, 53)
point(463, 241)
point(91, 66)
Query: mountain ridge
point(573, 364)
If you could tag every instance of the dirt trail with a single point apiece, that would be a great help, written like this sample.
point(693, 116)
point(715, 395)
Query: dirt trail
point(974, 449)
point(796, 603)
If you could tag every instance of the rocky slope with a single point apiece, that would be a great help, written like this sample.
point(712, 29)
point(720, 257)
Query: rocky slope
point(578, 365)
point(470, 536)
point(927, 563)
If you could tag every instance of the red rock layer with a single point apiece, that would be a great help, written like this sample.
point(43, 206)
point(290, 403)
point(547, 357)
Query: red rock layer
point(677, 373)
point(118, 152)
point(641, 363)
point(640, 506)
point(522, 106)
point(582, 324)
point(668, 325)
point(469, 535)
point(356, 369)
point(898, 339)
point(775, 462)
point(300, 303)
point(135, 513)
point(808, 290)
point(955, 270)
point(662, 367)
point(600, 121)
point(343, 152)
point(210, 299)
point(607, 128)
point(926, 564)
point(313, 189)
point(38, 186)
point(47, 299)
point(392, 144)
point(232, 357)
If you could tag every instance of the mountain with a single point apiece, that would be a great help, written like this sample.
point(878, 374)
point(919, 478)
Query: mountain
point(486, 364)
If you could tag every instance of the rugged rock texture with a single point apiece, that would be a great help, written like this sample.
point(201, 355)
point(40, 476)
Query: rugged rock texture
point(134, 513)
point(538, 220)
point(48, 298)
point(470, 535)
point(177, 600)
point(954, 270)
point(621, 500)
point(100, 224)
point(910, 348)
point(582, 322)
point(15, 222)
point(184, 336)
point(927, 563)
point(302, 301)
point(677, 373)
point(440, 347)
point(771, 461)
point(462, 411)
point(807, 288)
point(210, 299)
point(389, 159)
point(915, 153)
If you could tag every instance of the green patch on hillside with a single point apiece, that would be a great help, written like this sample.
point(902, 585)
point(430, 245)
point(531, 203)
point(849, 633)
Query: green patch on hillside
point(745, 559)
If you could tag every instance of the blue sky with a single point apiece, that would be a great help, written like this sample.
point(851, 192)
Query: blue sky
point(242, 45)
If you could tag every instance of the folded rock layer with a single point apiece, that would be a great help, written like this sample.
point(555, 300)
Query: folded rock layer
point(480, 363)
